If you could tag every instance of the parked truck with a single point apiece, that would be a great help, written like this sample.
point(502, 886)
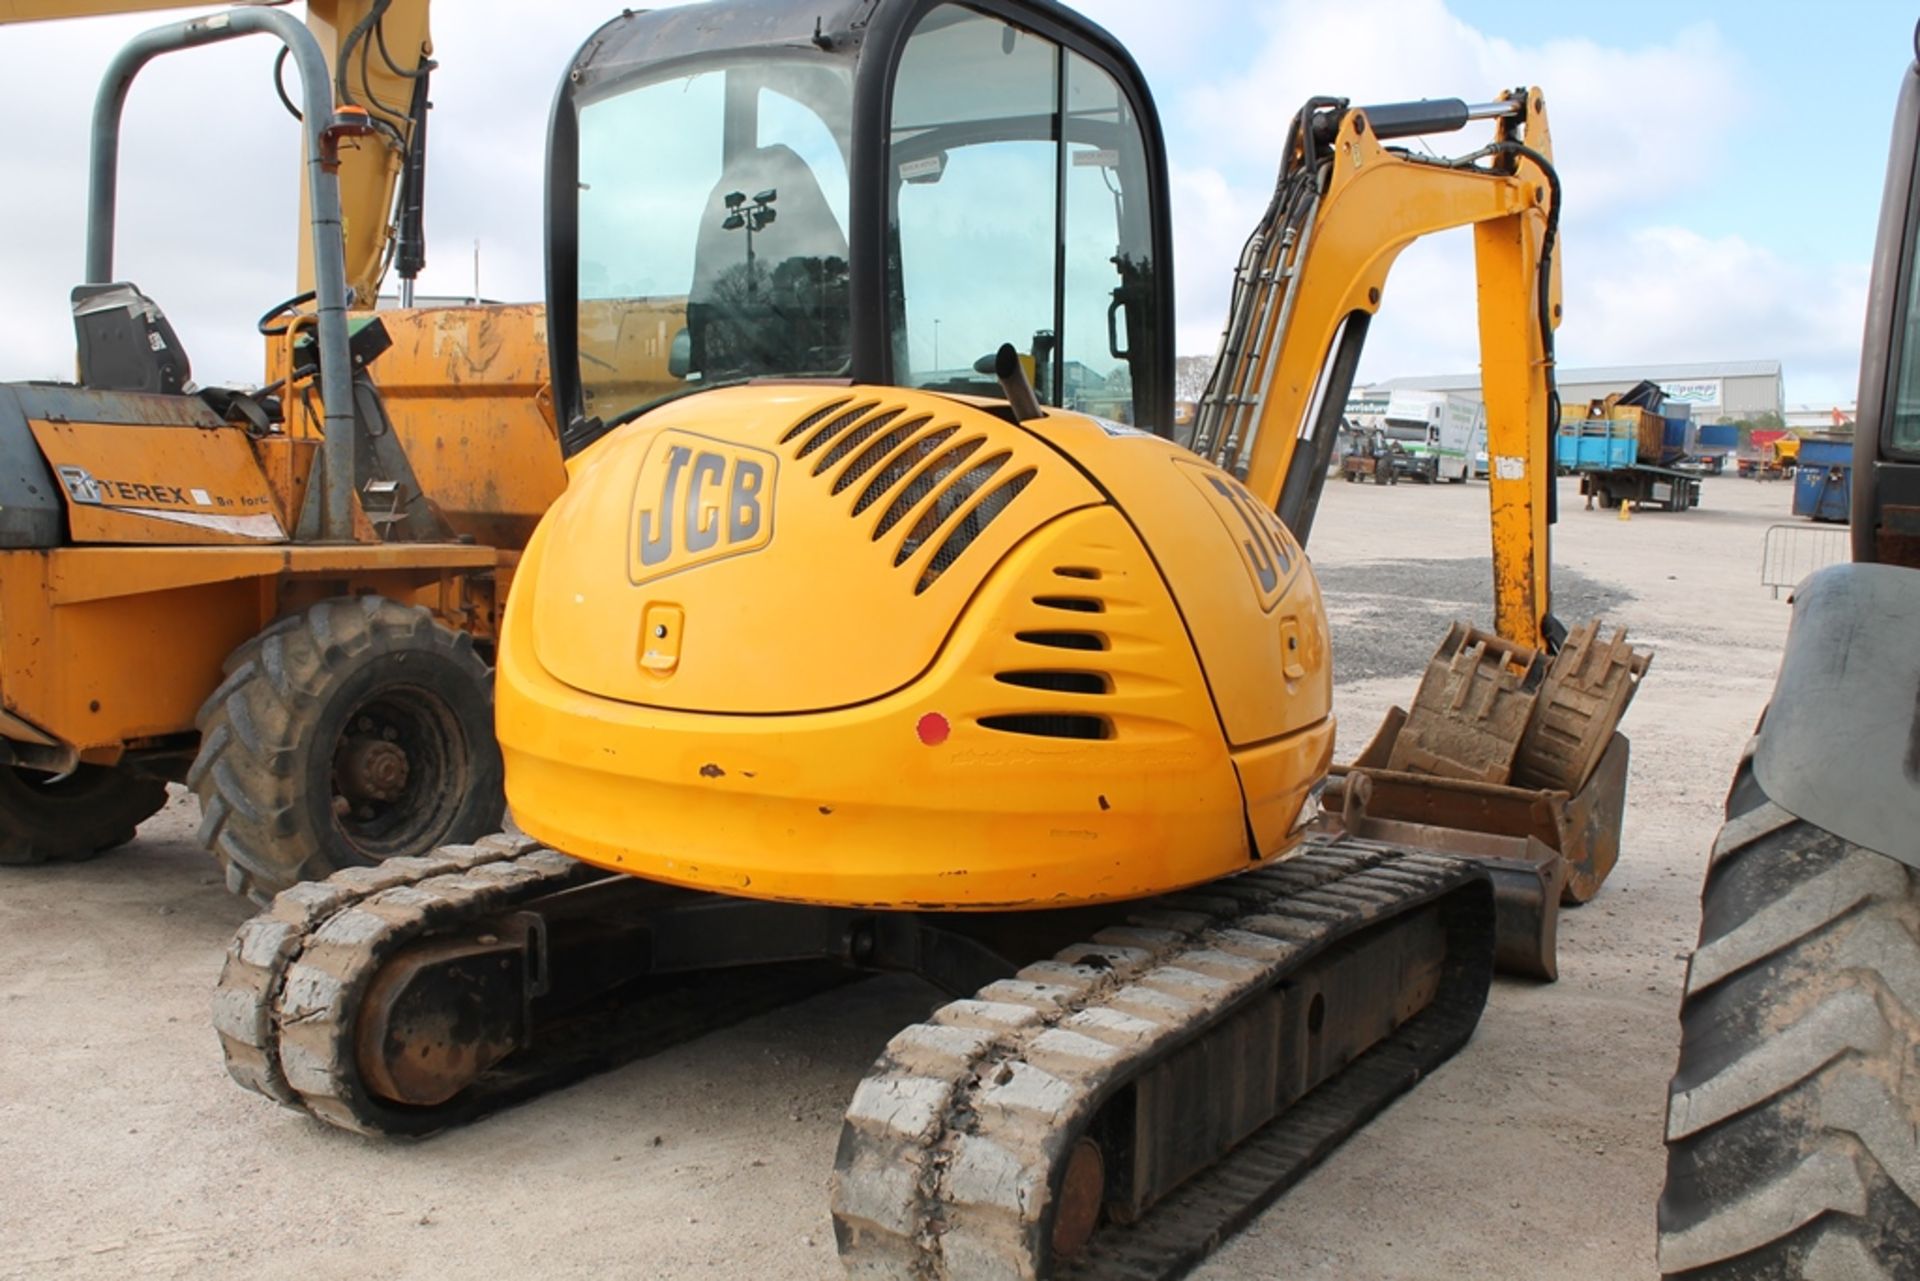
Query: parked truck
point(1718, 443)
point(1438, 433)
point(1626, 451)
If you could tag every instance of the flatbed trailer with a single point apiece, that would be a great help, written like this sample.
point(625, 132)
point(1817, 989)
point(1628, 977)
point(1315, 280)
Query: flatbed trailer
point(1605, 454)
point(1666, 488)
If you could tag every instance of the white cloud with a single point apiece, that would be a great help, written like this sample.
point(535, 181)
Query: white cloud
point(207, 198)
point(1637, 286)
point(1211, 222)
point(1612, 110)
point(206, 192)
point(209, 172)
point(1664, 292)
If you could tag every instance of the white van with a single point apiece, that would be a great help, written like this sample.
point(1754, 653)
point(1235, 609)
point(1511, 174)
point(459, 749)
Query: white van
point(1440, 432)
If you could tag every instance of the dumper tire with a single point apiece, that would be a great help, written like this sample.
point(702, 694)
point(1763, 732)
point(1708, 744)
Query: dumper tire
point(1791, 1146)
point(67, 818)
point(359, 731)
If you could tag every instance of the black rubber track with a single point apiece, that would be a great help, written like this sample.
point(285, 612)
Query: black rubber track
point(955, 1143)
point(289, 997)
point(44, 819)
point(269, 733)
point(1791, 1146)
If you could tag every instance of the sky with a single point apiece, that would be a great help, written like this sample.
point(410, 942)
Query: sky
point(1721, 162)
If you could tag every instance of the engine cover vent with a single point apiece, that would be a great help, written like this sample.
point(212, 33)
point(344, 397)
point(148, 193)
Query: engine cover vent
point(969, 527)
point(1050, 725)
point(943, 489)
point(887, 446)
point(1063, 682)
point(901, 465)
point(1063, 640)
point(826, 433)
point(851, 441)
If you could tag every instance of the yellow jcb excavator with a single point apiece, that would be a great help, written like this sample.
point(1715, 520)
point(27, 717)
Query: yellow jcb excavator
point(865, 639)
point(286, 595)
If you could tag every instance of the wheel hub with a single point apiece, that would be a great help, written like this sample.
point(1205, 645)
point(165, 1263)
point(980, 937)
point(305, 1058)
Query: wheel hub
point(372, 769)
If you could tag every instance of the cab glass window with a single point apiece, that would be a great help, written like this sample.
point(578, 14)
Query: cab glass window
point(712, 231)
point(972, 168)
point(1019, 213)
point(1903, 425)
point(1108, 259)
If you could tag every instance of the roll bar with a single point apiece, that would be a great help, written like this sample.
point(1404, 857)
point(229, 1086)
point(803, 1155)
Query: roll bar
point(322, 129)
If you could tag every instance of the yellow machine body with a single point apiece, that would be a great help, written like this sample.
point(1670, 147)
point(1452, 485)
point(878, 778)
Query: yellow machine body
point(466, 388)
point(877, 647)
point(723, 659)
point(153, 569)
point(181, 535)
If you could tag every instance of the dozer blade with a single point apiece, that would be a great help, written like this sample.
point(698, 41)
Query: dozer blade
point(1496, 827)
point(1116, 1111)
point(1544, 847)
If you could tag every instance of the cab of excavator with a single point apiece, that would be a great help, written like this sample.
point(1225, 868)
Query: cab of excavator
point(1886, 440)
point(875, 191)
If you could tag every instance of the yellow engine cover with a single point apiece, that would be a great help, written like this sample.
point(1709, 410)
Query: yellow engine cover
point(874, 647)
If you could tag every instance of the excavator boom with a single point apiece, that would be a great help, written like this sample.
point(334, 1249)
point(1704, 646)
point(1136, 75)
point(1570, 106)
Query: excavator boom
point(379, 52)
point(1314, 273)
point(46, 10)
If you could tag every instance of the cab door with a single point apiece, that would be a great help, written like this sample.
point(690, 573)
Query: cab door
point(1025, 203)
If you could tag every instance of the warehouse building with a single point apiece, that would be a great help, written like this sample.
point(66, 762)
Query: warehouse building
point(1717, 391)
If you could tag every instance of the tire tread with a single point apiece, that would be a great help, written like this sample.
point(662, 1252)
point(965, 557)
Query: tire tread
point(255, 729)
point(1791, 1144)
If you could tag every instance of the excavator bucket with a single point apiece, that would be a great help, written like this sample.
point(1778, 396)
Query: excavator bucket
point(1509, 760)
point(1586, 692)
point(1472, 710)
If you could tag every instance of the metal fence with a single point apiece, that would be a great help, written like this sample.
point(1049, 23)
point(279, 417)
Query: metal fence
point(1794, 551)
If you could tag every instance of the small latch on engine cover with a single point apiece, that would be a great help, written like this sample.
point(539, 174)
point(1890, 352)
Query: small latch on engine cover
point(1292, 662)
point(660, 628)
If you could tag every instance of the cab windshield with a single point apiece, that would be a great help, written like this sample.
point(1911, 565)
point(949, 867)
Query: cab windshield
point(713, 230)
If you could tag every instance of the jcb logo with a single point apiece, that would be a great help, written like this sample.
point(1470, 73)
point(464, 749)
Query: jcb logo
point(1266, 549)
point(698, 500)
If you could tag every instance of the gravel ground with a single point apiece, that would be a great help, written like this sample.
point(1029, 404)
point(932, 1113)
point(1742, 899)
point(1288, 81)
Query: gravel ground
point(1535, 1153)
point(1380, 609)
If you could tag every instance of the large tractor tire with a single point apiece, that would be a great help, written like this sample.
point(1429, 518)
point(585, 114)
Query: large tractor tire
point(63, 819)
point(1791, 1122)
point(359, 731)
